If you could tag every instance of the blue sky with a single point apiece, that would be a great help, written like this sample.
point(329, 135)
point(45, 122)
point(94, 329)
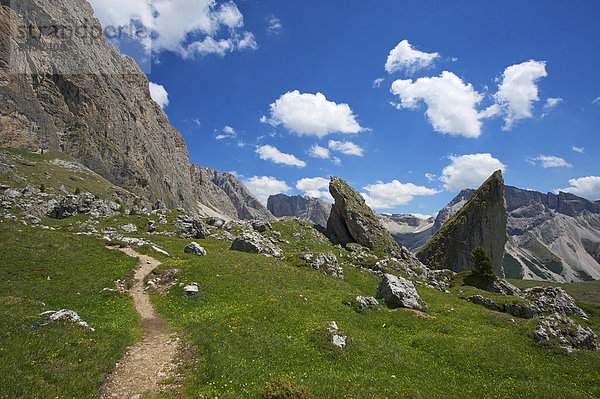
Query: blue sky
point(408, 101)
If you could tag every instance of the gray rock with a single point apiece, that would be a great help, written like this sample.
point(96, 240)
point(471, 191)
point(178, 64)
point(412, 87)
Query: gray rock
point(337, 339)
point(308, 208)
point(191, 227)
point(261, 226)
point(191, 290)
point(485, 302)
point(65, 314)
point(325, 261)
point(399, 292)
point(553, 300)
point(194, 248)
point(523, 310)
point(565, 333)
point(367, 302)
point(253, 242)
point(129, 228)
point(500, 286)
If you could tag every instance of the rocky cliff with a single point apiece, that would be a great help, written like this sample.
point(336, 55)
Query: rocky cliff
point(480, 222)
point(72, 93)
point(351, 220)
point(222, 193)
point(312, 209)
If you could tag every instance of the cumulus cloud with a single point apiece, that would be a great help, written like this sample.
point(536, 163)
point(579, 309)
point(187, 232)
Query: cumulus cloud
point(346, 147)
point(264, 186)
point(548, 161)
point(227, 133)
point(587, 187)
point(317, 187)
point(159, 94)
point(312, 114)
point(450, 103)
point(316, 151)
point(550, 105)
point(270, 153)
point(578, 149)
point(274, 26)
point(518, 90)
point(596, 101)
point(336, 161)
point(405, 58)
point(469, 171)
point(389, 195)
point(214, 28)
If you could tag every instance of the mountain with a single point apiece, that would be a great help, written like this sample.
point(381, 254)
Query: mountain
point(313, 209)
point(74, 94)
point(480, 222)
point(409, 231)
point(222, 193)
point(552, 237)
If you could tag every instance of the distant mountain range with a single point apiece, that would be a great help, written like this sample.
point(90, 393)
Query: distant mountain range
point(553, 237)
point(312, 209)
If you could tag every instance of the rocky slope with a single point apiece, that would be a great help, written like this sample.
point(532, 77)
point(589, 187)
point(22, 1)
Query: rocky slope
point(352, 221)
point(480, 222)
point(222, 193)
point(308, 208)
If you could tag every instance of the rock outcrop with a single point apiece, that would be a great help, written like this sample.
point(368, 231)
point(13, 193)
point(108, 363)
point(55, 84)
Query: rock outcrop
point(253, 242)
point(399, 292)
point(222, 193)
point(352, 221)
point(308, 208)
point(480, 222)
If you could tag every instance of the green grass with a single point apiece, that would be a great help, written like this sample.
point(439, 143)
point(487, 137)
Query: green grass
point(251, 326)
point(60, 359)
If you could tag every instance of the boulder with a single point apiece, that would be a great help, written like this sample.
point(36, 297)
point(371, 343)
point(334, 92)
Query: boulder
point(352, 221)
point(485, 302)
point(191, 290)
point(553, 300)
point(252, 242)
point(324, 261)
point(480, 222)
point(261, 226)
point(129, 228)
point(563, 332)
point(399, 292)
point(499, 286)
point(367, 302)
point(194, 248)
point(190, 227)
point(65, 314)
point(337, 339)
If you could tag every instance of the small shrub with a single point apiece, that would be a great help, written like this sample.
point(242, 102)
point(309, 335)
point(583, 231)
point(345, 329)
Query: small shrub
point(42, 188)
point(122, 209)
point(136, 202)
point(279, 389)
point(482, 264)
point(77, 191)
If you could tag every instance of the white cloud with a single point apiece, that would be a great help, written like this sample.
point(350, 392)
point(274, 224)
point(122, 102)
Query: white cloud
point(578, 149)
point(336, 161)
point(312, 114)
point(587, 187)
point(174, 22)
point(346, 147)
point(389, 195)
point(548, 161)
point(274, 26)
point(450, 103)
point(518, 90)
point(430, 176)
point(405, 58)
point(377, 82)
point(264, 186)
point(316, 151)
point(469, 171)
point(228, 133)
point(270, 153)
point(551, 104)
point(596, 101)
point(159, 94)
point(317, 187)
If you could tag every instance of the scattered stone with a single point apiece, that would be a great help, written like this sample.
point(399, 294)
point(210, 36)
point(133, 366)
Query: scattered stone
point(191, 290)
point(500, 286)
point(563, 332)
point(337, 339)
point(367, 302)
point(554, 300)
point(215, 222)
point(399, 292)
point(159, 250)
point(129, 228)
point(325, 261)
point(485, 302)
point(65, 314)
point(194, 248)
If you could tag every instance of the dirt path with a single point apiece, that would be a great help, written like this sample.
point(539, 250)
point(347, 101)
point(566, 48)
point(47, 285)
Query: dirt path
point(151, 360)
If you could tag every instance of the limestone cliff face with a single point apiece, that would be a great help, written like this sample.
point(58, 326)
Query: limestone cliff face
point(312, 209)
point(480, 222)
point(351, 220)
point(226, 194)
point(77, 95)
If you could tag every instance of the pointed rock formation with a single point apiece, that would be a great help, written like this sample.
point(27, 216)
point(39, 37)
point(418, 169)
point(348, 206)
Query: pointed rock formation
point(351, 220)
point(480, 222)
